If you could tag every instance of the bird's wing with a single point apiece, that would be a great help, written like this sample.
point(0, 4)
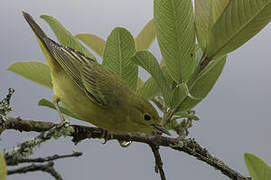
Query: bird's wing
point(102, 84)
point(69, 59)
point(74, 63)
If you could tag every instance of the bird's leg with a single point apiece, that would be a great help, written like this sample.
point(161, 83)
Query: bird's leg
point(106, 135)
point(56, 101)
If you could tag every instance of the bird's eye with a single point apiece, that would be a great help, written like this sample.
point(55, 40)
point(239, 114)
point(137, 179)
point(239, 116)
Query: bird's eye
point(147, 117)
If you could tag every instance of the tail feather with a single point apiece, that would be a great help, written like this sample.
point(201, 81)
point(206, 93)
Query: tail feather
point(45, 42)
point(35, 27)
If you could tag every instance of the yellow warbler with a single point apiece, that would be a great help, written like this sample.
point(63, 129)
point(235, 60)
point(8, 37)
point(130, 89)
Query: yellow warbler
point(93, 92)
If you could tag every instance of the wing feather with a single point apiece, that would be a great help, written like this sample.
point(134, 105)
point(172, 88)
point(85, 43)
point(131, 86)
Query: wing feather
point(102, 84)
point(73, 63)
point(77, 66)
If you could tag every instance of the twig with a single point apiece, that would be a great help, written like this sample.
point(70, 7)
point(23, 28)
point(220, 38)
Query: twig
point(45, 159)
point(191, 147)
point(25, 149)
point(5, 106)
point(29, 125)
point(188, 146)
point(48, 167)
point(158, 161)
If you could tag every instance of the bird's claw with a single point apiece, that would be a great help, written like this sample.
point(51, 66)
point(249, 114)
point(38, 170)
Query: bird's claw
point(106, 135)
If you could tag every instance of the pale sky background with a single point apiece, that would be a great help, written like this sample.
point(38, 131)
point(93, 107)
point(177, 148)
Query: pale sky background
point(234, 118)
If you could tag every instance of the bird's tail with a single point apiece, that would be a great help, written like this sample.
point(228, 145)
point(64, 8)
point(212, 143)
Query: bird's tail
point(35, 27)
point(44, 40)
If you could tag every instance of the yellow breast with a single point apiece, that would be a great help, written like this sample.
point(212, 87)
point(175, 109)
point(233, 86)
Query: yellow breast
point(79, 103)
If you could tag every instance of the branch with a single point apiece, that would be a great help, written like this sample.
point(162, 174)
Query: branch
point(189, 146)
point(42, 160)
point(25, 149)
point(158, 161)
point(194, 149)
point(5, 106)
point(27, 126)
point(48, 167)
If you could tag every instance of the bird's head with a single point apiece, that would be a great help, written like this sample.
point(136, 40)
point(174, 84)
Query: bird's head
point(145, 117)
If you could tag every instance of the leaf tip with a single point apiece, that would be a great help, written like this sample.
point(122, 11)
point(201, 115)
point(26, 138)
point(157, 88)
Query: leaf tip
point(44, 16)
point(78, 35)
point(9, 68)
point(41, 102)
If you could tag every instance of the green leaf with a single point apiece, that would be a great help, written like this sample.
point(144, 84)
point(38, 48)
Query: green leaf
point(146, 37)
point(65, 37)
point(179, 94)
point(33, 70)
point(3, 168)
point(188, 103)
point(94, 42)
point(239, 22)
point(208, 77)
point(198, 58)
point(47, 103)
point(119, 49)
point(143, 40)
point(147, 61)
point(174, 26)
point(148, 89)
point(206, 14)
point(186, 114)
point(140, 83)
point(204, 83)
point(173, 124)
point(218, 7)
point(198, 54)
point(257, 168)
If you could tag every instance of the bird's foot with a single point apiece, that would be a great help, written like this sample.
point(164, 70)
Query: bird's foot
point(56, 100)
point(106, 135)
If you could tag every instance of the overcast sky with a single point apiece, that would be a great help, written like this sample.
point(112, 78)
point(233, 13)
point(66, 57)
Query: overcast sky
point(234, 118)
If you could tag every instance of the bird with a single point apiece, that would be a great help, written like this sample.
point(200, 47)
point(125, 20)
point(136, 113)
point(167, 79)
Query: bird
point(93, 92)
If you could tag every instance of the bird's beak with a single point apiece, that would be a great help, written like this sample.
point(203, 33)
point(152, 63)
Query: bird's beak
point(161, 129)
